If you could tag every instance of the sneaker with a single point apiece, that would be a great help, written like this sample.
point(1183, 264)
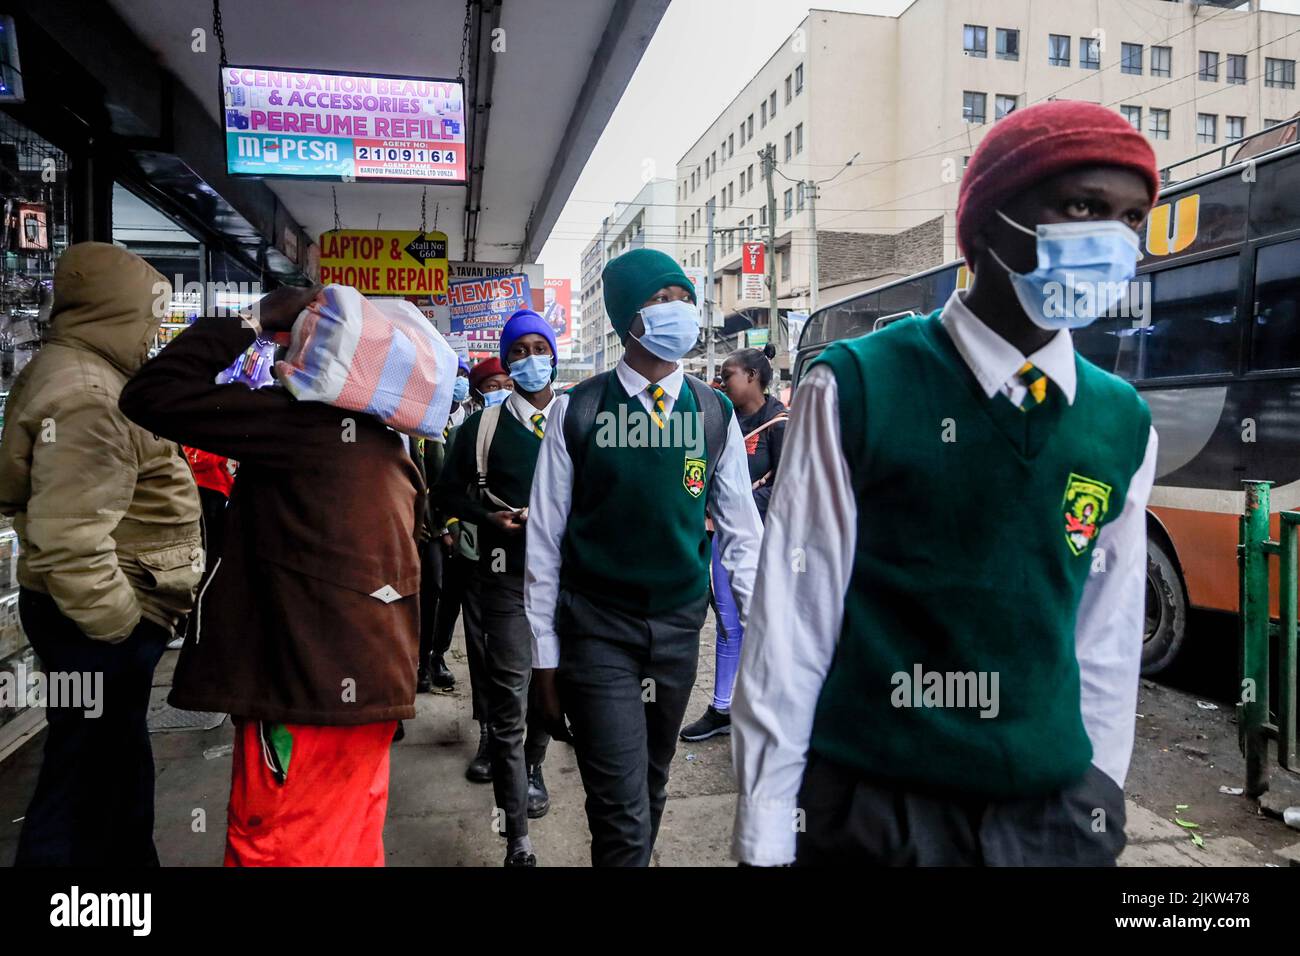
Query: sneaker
point(713, 722)
point(440, 674)
point(521, 858)
point(480, 768)
point(539, 800)
point(176, 642)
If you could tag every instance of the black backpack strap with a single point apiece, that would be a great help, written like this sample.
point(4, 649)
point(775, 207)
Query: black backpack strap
point(580, 415)
point(716, 421)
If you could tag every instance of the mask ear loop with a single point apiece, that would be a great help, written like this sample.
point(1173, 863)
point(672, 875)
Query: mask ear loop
point(1015, 225)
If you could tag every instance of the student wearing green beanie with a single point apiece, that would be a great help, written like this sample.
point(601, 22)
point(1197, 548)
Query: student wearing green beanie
point(617, 570)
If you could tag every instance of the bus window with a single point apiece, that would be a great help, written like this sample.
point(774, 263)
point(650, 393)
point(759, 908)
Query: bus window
point(1193, 329)
point(1112, 343)
point(1276, 336)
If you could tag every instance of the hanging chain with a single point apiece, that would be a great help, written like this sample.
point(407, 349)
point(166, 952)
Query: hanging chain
point(218, 31)
point(337, 224)
point(424, 198)
point(464, 39)
point(435, 216)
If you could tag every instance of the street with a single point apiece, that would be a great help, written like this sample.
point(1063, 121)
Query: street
point(1183, 755)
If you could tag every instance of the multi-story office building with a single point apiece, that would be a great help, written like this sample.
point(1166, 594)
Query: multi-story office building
point(645, 222)
point(908, 99)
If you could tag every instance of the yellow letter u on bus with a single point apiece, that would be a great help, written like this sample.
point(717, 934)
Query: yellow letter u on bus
point(1165, 237)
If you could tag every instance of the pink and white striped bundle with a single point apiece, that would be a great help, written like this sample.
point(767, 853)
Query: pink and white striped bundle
point(377, 356)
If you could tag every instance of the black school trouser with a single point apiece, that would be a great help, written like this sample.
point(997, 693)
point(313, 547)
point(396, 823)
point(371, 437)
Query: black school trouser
point(94, 798)
point(624, 681)
point(431, 562)
point(456, 594)
point(518, 739)
point(850, 819)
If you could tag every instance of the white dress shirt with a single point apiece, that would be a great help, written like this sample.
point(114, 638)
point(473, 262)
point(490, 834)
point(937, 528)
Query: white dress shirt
point(794, 624)
point(731, 503)
point(523, 410)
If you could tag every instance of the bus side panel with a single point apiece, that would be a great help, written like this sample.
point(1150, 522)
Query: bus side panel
point(1205, 543)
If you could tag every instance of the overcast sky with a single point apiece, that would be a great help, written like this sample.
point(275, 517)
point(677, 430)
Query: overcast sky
point(702, 55)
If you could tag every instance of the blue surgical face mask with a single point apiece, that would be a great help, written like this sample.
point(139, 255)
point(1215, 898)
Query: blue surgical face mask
point(460, 390)
point(671, 329)
point(532, 373)
point(1084, 270)
point(495, 398)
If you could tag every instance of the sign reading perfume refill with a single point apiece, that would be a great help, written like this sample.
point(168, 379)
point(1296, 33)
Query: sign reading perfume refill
point(323, 125)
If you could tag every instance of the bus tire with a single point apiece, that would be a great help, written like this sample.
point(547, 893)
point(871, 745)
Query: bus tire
point(1166, 610)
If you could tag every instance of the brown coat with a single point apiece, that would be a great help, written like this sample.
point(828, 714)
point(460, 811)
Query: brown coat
point(107, 513)
point(292, 624)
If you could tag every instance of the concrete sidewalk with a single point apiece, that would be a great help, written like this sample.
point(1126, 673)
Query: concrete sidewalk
point(437, 818)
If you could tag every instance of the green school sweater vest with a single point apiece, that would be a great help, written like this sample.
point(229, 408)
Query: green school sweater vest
point(971, 558)
point(511, 463)
point(635, 538)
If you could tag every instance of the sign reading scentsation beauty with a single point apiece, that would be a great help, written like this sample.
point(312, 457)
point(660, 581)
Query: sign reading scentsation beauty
point(323, 125)
point(753, 270)
point(385, 261)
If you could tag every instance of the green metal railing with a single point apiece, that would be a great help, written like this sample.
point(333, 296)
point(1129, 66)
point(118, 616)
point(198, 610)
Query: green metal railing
point(1255, 726)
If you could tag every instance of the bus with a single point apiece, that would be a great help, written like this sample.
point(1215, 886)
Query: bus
point(1216, 357)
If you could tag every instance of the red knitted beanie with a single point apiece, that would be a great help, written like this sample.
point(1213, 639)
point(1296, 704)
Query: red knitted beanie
point(484, 370)
point(1037, 143)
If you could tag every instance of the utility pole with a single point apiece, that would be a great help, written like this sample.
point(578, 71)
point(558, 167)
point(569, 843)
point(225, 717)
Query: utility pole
point(773, 317)
point(707, 300)
point(811, 193)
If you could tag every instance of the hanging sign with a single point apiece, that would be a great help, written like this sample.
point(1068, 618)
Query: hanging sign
point(343, 126)
point(385, 261)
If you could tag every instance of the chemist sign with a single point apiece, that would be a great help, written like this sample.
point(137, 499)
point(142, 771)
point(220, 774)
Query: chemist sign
point(385, 261)
point(343, 126)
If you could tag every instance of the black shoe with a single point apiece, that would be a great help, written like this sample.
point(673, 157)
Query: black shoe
point(440, 675)
point(480, 768)
point(539, 800)
point(710, 725)
point(521, 858)
point(423, 682)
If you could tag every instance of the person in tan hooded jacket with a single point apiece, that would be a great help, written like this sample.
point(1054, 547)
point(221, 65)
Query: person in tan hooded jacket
point(108, 521)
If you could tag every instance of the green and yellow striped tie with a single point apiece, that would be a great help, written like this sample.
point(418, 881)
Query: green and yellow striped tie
point(1035, 382)
point(657, 396)
point(539, 422)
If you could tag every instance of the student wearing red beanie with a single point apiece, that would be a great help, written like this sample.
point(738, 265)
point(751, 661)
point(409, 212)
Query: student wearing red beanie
point(952, 678)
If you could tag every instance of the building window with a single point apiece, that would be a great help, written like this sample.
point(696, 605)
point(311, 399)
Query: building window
point(1130, 58)
point(771, 104)
point(742, 182)
point(1008, 44)
point(975, 40)
point(749, 125)
point(762, 215)
point(1058, 50)
point(789, 89)
point(762, 114)
point(1207, 128)
point(1089, 53)
point(789, 203)
point(1209, 71)
point(749, 174)
point(798, 79)
point(798, 138)
point(1159, 128)
point(972, 107)
point(799, 197)
point(1268, 123)
point(789, 146)
point(1234, 128)
point(1004, 105)
point(1279, 73)
point(1162, 60)
point(1237, 69)
point(1134, 116)
point(785, 266)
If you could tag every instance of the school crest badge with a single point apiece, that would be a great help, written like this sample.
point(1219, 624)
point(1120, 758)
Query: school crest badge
point(1085, 505)
point(693, 476)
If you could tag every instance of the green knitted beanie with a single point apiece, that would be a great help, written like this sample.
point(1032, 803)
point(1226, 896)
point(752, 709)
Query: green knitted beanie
point(632, 278)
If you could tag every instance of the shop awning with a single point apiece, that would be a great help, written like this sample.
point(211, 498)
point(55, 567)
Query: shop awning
point(546, 74)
